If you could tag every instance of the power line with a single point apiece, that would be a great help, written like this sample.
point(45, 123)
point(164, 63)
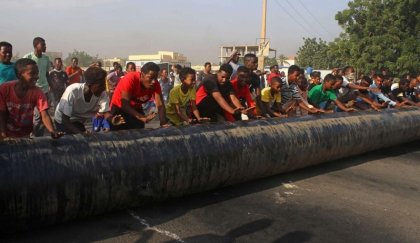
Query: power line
point(292, 17)
point(298, 13)
point(309, 12)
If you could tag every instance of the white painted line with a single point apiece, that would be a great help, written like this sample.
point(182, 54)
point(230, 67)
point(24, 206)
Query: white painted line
point(163, 232)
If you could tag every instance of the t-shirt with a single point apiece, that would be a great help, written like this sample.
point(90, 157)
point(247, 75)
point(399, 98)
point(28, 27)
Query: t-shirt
point(267, 97)
point(289, 91)
point(7, 72)
point(255, 83)
point(176, 96)
point(44, 66)
point(20, 111)
point(317, 95)
point(77, 78)
point(211, 85)
point(58, 81)
point(166, 87)
point(271, 76)
point(397, 92)
point(139, 94)
point(73, 104)
point(242, 93)
point(113, 79)
point(235, 67)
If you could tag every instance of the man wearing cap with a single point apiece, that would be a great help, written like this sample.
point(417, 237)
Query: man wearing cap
point(82, 101)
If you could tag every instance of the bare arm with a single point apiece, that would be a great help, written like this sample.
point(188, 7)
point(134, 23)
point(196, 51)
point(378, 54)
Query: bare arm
point(161, 109)
point(222, 102)
point(125, 106)
point(46, 119)
point(342, 107)
point(67, 123)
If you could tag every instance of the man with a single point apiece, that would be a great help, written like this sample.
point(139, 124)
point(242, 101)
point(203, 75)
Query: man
point(7, 68)
point(216, 96)
point(58, 81)
point(134, 90)
point(251, 62)
point(74, 72)
point(44, 66)
point(233, 61)
point(82, 101)
point(205, 74)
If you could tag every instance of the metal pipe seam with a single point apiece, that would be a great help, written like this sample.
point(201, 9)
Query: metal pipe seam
point(45, 181)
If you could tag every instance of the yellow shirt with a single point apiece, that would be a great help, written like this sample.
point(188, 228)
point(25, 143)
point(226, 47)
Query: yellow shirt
point(267, 97)
point(176, 96)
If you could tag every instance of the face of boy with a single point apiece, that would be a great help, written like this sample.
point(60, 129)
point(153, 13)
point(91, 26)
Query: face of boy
point(6, 54)
point(244, 78)
point(251, 63)
point(276, 87)
point(293, 76)
point(316, 80)
point(189, 80)
point(148, 78)
point(131, 68)
point(222, 76)
point(74, 63)
point(207, 68)
point(29, 76)
point(58, 64)
point(164, 73)
point(378, 82)
point(97, 89)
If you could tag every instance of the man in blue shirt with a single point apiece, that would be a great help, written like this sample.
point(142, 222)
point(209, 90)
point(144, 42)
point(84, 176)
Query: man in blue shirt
point(7, 68)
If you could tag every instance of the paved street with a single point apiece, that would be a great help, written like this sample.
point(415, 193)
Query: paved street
point(369, 198)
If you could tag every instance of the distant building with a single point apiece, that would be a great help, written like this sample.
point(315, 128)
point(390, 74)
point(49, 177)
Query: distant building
point(226, 51)
point(165, 59)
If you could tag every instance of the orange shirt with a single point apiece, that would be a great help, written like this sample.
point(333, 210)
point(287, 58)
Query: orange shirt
point(76, 78)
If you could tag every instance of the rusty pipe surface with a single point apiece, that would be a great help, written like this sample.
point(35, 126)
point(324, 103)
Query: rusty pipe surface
point(45, 181)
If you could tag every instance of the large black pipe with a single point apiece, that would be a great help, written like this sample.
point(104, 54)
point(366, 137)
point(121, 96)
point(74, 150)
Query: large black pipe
point(45, 181)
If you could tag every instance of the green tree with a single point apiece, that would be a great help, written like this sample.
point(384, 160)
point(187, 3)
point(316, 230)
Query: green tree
point(270, 61)
point(84, 58)
point(282, 60)
point(380, 34)
point(313, 53)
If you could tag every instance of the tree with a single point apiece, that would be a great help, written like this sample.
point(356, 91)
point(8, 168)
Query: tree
point(313, 53)
point(282, 60)
point(84, 58)
point(381, 34)
point(270, 61)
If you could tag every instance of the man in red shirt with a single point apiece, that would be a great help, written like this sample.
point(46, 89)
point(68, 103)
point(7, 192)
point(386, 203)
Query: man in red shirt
point(134, 90)
point(215, 96)
point(74, 72)
point(274, 72)
point(18, 100)
point(241, 88)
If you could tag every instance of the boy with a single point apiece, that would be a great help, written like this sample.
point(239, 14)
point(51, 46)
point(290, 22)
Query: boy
point(291, 98)
point(270, 105)
point(274, 72)
point(81, 101)
point(315, 79)
point(182, 100)
point(7, 68)
point(44, 66)
point(130, 67)
point(74, 72)
point(241, 88)
point(321, 95)
point(58, 81)
point(216, 96)
point(205, 74)
point(134, 90)
point(251, 62)
point(165, 85)
point(17, 102)
point(113, 78)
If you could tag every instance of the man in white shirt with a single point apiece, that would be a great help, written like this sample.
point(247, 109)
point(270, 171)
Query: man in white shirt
point(82, 101)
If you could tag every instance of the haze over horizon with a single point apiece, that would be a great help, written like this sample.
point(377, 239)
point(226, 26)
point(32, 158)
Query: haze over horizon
point(196, 29)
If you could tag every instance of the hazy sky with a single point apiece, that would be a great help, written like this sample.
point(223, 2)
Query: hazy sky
point(195, 28)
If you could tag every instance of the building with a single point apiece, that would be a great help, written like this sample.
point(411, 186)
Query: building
point(226, 51)
point(107, 63)
point(165, 59)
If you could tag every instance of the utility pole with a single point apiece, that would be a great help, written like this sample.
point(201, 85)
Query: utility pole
point(263, 41)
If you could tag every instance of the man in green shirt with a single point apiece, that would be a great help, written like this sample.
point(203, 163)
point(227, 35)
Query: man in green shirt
point(322, 95)
point(43, 63)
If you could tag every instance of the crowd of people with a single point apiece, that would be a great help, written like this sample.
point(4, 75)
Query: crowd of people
point(33, 87)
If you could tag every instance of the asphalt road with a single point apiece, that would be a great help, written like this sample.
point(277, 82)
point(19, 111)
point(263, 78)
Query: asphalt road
point(370, 198)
